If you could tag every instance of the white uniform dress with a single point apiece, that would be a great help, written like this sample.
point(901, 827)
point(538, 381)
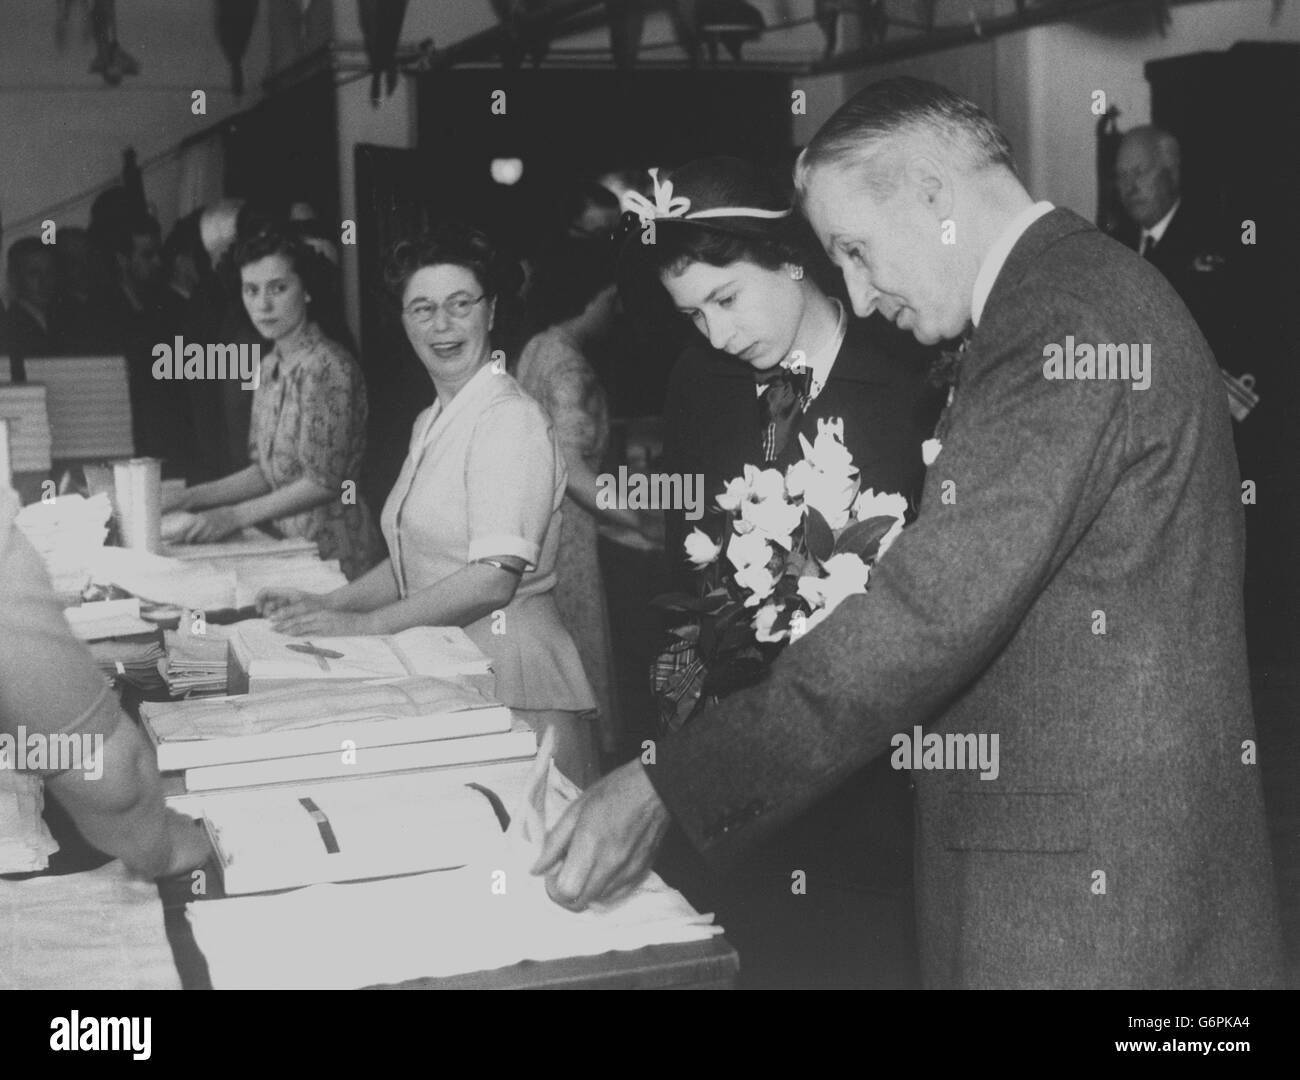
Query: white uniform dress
point(485, 477)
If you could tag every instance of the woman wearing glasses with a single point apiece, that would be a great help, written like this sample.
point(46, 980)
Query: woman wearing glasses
point(307, 436)
point(473, 522)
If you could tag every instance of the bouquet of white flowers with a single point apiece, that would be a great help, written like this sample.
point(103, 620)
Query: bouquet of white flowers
point(791, 548)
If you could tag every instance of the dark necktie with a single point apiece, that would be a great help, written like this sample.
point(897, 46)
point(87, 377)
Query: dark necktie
point(780, 408)
point(1148, 242)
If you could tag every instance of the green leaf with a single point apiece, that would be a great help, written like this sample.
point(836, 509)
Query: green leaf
point(818, 535)
point(862, 538)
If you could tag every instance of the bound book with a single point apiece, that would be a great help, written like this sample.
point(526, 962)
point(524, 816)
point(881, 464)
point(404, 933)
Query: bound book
point(262, 659)
point(328, 720)
point(349, 830)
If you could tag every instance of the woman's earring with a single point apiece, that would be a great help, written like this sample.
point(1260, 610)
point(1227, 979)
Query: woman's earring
point(796, 272)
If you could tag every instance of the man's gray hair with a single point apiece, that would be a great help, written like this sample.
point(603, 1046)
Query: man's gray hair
point(904, 108)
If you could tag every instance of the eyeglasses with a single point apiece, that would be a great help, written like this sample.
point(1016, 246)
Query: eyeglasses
point(421, 312)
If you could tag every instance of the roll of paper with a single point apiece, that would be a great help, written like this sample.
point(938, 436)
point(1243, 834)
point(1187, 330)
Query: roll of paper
point(138, 487)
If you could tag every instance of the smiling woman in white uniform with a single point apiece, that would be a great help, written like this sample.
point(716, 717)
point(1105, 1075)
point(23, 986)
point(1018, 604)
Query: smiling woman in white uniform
point(473, 522)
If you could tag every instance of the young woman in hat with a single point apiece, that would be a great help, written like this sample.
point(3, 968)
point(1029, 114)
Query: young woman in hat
point(774, 353)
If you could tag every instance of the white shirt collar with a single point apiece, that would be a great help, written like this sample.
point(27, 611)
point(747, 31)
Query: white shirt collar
point(997, 254)
point(820, 363)
point(1157, 231)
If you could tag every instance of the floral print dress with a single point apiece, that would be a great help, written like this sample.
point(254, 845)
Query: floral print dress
point(309, 419)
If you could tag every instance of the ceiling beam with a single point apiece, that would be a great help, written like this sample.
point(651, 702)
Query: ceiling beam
point(949, 37)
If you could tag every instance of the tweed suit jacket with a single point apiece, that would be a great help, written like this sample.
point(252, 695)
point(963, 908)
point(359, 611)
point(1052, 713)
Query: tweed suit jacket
point(1122, 843)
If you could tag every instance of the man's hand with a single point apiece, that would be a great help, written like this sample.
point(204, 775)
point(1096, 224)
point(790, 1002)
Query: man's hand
point(606, 841)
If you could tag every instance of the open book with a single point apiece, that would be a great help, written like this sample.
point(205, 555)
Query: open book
point(346, 830)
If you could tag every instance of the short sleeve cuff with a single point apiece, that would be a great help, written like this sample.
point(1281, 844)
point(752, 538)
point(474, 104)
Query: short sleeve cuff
point(484, 547)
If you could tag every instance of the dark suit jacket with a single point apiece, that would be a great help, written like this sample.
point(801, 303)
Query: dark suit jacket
point(1121, 754)
point(1202, 261)
point(877, 385)
point(26, 338)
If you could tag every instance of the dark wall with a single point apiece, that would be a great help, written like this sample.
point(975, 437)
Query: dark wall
point(286, 148)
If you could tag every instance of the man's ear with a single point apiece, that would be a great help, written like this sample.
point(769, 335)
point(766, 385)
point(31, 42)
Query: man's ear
point(932, 182)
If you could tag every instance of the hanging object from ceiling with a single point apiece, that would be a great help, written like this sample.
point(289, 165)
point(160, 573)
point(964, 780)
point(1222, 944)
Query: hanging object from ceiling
point(235, 20)
point(626, 23)
point(871, 14)
point(729, 23)
point(111, 62)
point(381, 27)
point(511, 13)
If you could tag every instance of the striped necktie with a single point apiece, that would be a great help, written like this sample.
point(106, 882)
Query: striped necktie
point(780, 408)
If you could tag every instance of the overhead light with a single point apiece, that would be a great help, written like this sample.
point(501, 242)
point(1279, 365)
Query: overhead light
point(507, 170)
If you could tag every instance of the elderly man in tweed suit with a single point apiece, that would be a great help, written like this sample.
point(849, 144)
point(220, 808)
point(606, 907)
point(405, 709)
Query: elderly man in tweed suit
point(1072, 585)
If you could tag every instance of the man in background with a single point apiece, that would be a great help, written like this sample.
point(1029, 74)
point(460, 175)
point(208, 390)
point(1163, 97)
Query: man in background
point(1200, 253)
point(160, 408)
point(80, 316)
point(32, 279)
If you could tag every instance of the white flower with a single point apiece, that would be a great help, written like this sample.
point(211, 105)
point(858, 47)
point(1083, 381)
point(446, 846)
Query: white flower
point(796, 477)
point(816, 618)
point(828, 452)
point(763, 621)
point(826, 478)
point(930, 450)
point(736, 490)
point(887, 541)
point(758, 580)
point(831, 495)
point(813, 589)
point(774, 519)
point(870, 504)
point(764, 484)
point(700, 549)
point(748, 549)
point(845, 575)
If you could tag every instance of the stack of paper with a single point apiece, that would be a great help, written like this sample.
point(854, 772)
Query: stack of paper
point(196, 663)
point(25, 841)
point(212, 584)
point(490, 914)
point(107, 619)
point(164, 581)
point(249, 543)
point(29, 428)
point(69, 532)
point(349, 729)
point(261, 659)
point(138, 660)
point(280, 838)
point(101, 930)
point(306, 572)
point(89, 404)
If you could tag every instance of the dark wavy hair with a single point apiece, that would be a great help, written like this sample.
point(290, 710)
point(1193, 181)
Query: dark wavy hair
point(281, 238)
point(454, 243)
